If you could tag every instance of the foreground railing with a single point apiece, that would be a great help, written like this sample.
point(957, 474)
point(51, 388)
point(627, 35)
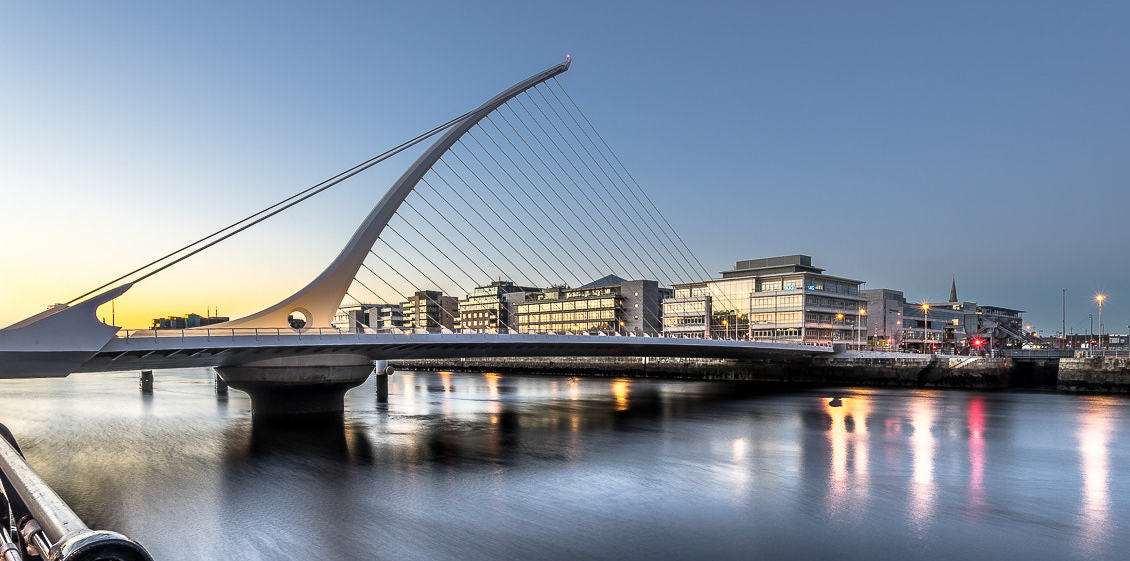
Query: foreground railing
point(35, 522)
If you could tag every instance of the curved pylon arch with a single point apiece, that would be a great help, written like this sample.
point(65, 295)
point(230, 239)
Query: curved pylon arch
point(320, 299)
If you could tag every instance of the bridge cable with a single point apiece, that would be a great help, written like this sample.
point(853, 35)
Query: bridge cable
point(611, 195)
point(497, 214)
point(620, 191)
point(502, 272)
point(654, 235)
point(596, 194)
point(565, 188)
point(401, 294)
point(682, 249)
point(485, 221)
point(428, 259)
point(651, 213)
point(453, 262)
point(514, 214)
point(634, 181)
point(451, 243)
point(410, 283)
point(532, 183)
point(549, 219)
point(279, 206)
point(599, 212)
point(565, 203)
point(643, 313)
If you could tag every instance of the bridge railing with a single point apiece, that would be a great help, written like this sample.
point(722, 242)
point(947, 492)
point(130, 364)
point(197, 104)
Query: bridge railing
point(228, 332)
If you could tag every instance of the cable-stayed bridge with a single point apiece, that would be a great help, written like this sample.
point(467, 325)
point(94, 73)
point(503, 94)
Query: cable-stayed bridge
point(524, 187)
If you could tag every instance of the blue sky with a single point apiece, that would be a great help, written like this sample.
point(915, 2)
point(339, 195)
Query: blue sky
point(895, 143)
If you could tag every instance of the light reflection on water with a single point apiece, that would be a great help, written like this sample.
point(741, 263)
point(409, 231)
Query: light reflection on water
point(465, 466)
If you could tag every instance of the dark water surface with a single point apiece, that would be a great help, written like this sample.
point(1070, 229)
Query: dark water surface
point(486, 467)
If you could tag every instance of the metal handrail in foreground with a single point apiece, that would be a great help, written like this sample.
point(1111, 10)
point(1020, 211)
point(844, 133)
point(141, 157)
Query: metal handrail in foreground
point(43, 525)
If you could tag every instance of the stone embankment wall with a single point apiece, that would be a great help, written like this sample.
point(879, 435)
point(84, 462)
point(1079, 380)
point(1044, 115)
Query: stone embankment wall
point(901, 370)
point(1100, 375)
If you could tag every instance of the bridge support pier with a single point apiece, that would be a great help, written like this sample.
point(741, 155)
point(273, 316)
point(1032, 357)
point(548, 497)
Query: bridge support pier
point(221, 385)
point(145, 381)
point(382, 372)
point(298, 387)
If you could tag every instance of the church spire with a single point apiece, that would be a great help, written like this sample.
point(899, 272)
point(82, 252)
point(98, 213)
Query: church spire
point(953, 290)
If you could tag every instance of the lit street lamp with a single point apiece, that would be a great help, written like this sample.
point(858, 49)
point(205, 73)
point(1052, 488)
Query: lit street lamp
point(839, 318)
point(858, 328)
point(1099, 299)
point(926, 326)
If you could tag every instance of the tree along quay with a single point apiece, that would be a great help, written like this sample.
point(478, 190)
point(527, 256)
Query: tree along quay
point(1110, 375)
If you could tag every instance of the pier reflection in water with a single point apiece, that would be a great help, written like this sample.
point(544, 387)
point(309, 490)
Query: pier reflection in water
point(490, 466)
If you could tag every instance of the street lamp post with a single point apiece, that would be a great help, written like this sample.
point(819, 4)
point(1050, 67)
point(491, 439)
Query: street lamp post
point(925, 326)
point(839, 318)
point(858, 328)
point(1091, 336)
point(1100, 298)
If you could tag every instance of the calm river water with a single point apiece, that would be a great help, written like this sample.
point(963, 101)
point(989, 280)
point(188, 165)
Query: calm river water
point(488, 467)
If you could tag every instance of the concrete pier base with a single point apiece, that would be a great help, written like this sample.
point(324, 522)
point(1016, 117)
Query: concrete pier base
point(382, 372)
point(221, 385)
point(382, 387)
point(145, 381)
point(299, 386)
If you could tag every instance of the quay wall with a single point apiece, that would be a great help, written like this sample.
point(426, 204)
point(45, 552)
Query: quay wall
point(1094, 375)
point(889, 370)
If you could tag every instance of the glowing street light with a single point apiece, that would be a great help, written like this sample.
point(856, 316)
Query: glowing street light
point(925, 325)
point(858, 327)
point(1100, 298)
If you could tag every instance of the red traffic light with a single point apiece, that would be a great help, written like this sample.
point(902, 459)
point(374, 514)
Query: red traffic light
point(978, 342)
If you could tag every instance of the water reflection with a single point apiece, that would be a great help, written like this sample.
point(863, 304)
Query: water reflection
point(975, 426)
point(621, 387)
point(1095, 430)
point(483, 467)
point(848, 445)
point(922, 446)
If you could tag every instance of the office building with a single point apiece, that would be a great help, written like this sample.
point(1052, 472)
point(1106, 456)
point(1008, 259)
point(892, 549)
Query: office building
point(430, 311)
point(773, 299)
point(386, 318)
point(946, 327)
point(487, 309)
point(609, 305)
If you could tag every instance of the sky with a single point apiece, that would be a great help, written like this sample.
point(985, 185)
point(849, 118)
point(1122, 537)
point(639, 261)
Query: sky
point(895, 143)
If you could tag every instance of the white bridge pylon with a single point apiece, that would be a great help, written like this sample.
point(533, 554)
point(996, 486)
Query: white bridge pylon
point(320, 299)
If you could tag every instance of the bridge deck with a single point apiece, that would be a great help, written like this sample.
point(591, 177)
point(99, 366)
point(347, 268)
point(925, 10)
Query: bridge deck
point(219, 350)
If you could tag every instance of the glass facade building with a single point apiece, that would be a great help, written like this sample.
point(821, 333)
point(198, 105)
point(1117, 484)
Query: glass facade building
point(608, 305)
point(775, 299)
point(430, 311)
point(488, 309)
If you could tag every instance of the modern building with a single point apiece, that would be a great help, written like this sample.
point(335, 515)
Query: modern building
point(782, 298)
point(170, 322)
point(948, 327)
point(354, 318)
point(487, 309)
point(187, 321)
point(610, 305)
point(430, 311)
point(386, 318)
point(197, 320)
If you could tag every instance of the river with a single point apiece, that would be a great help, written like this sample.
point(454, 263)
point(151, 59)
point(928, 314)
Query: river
point(488, 467)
